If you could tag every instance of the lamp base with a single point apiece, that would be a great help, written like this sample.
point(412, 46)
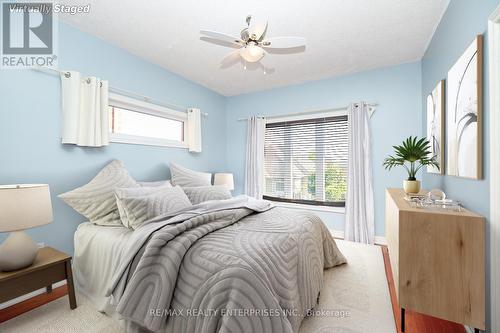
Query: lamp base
point(17, 251)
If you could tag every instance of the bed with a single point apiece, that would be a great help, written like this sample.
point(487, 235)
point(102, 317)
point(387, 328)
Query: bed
point(98, 252)
point(238, 269)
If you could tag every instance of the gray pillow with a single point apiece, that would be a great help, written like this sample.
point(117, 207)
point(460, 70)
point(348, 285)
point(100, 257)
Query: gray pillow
point(96, 200)
point(204, 193)
point(135, 192)
point(188, 178)
point(137, 205)
point(155, 183)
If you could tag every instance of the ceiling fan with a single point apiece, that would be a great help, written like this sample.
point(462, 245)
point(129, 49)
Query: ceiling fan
point(253, 44)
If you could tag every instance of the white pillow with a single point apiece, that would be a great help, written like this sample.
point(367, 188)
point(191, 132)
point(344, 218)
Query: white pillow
point(155, 183)
point(189, 178)
point(137, 205)
point(96, 200)
point(204, 193)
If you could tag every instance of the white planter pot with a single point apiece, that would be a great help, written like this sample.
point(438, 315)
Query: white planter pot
point(411, 186)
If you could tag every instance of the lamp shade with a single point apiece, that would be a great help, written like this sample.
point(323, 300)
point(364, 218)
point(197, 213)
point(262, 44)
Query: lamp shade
point(224, 179)
point(24, 206)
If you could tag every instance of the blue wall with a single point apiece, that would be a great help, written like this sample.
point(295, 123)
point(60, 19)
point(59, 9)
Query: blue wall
point(461, 23)
point(30, 126)
point(396, 89)
point(463, 20)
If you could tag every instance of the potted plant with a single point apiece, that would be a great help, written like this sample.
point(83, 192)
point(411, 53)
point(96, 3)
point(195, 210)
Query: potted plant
point(413, 154)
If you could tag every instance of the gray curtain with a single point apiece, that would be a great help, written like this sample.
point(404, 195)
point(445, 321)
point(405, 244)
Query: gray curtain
point(359, 217)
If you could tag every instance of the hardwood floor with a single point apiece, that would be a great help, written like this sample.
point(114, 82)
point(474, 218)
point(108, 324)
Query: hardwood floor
point(416, 322)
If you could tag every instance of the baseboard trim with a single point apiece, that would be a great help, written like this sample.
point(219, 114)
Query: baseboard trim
point(379, 240)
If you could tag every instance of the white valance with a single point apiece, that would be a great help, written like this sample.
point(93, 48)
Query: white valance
point(194, 130)
point(85, 110)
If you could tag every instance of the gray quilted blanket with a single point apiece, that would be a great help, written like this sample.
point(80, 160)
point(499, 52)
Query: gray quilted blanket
point(224, 266)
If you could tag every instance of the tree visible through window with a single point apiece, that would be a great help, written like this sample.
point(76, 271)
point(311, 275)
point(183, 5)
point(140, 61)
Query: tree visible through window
point(306, 161)
point(334, 189)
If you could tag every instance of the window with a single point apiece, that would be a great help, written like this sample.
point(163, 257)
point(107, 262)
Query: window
point(305, 160)
point(138, 122)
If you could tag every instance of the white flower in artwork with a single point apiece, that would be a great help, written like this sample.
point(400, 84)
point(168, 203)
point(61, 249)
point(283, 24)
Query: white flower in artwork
point(463, 115)
point(434, 125)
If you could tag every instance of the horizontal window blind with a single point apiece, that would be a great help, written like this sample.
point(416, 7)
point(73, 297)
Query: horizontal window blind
point(305, 161)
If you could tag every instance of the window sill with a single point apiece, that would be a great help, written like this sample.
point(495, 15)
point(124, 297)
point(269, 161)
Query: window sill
point(337, 210)
point(139, 140)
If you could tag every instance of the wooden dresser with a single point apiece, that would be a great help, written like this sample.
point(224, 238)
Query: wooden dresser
point(438, 260)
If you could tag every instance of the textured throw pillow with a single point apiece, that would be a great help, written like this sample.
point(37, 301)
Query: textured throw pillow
point(188, 178)
point(135, 192)
point(96, 200)
point(204, 193)
point(139, 205)
point(155, 184)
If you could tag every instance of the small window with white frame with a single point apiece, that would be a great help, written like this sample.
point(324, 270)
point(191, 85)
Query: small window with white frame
point(139, 122)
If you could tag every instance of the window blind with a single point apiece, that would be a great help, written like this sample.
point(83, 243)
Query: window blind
point(305, 161)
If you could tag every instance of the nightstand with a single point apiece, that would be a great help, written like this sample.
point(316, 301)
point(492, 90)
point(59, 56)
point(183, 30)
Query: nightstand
point(50, 266)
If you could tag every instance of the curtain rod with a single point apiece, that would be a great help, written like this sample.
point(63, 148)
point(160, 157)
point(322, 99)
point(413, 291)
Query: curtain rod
point(121, 91)
point(307, 112)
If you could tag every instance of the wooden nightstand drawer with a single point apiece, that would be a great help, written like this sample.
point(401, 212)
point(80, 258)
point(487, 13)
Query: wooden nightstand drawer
point(50, 266)
point(27, 283)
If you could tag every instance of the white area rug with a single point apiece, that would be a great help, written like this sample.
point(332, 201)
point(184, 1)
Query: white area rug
point(359, 290)
point(355, 299)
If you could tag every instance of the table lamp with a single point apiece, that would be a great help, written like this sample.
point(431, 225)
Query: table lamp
point(22, 207)
point(224, 179)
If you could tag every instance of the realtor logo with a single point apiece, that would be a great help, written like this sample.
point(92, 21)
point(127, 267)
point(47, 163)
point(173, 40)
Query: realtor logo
point(27, 35)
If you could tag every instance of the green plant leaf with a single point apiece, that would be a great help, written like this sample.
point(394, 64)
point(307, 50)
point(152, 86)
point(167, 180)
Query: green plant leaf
point(414, 151)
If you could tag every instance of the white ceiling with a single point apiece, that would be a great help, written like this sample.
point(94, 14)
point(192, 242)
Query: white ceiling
point(343, 36)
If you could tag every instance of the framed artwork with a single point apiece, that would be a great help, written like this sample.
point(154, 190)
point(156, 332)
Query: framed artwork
point(464, 113)
point(435, 126)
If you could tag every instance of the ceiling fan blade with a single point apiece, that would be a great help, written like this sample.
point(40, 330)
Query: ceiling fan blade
point(230, 59)
point(257, 27)
point(258, 67)
point(266, 70)
point(284, 42)
point(221, 36)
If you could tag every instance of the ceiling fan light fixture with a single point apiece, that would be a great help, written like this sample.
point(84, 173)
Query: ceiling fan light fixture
point(252, 44)
point(252, 52)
